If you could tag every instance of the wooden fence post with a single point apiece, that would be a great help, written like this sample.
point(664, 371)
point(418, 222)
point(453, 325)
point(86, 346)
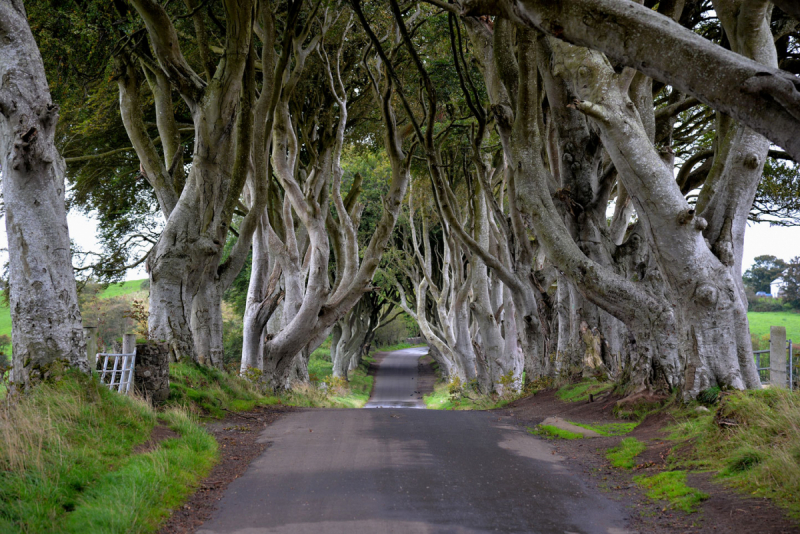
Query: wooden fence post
point(777, 356)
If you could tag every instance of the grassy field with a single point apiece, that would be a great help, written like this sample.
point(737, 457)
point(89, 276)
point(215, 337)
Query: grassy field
point(761, 321)
point(114, 290)
point(125, 288)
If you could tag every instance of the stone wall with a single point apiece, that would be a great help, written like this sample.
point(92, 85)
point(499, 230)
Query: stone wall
point(151, 374)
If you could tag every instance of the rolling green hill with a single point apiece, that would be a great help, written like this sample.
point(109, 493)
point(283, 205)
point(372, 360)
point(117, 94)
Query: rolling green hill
point(114, 290)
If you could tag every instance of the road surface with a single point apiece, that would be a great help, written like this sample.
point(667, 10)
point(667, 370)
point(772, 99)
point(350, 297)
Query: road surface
point(396, 380)
point(404, 471)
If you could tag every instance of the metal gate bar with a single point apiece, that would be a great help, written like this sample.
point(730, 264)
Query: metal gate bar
point(123, 369)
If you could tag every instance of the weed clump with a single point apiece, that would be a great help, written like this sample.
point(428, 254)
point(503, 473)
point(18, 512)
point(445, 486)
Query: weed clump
point(623, 455)
point(671, 486)
point(553, 432)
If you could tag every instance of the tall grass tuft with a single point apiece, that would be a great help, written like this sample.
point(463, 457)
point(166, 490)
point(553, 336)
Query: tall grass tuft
point(753, 441)
point(68, 461)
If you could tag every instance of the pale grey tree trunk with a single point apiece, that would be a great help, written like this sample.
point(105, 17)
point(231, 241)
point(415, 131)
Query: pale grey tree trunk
point(760, 96)
point(46, 321)
point(206, 322)
point(185, 262)
point(709, 304)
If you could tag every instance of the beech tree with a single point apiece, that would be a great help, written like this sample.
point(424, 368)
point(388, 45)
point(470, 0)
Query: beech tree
point(527, 120)
point(46, 320)
point(663, 295)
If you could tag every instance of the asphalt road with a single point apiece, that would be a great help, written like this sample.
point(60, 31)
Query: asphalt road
point(396, 380)
point(403, 471)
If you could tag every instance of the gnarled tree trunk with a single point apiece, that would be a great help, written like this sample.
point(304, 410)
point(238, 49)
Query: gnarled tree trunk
point(46, 321)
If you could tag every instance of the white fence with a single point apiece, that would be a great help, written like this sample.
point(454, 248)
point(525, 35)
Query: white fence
point(121, 375)
point(118, 369)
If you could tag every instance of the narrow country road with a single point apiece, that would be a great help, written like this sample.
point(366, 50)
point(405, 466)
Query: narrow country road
point(396, 381)
point(395, 470)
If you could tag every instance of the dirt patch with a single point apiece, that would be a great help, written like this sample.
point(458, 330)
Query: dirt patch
point(725, 511)
point(426, 376)
point(236, 435)
point(160, 433)
point(536, 408)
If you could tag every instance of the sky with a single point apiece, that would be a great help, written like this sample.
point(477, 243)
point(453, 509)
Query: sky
point(760, 239)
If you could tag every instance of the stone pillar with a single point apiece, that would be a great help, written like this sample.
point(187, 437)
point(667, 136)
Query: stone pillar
point(151, 376)
point(90, 335)
point(777, 356)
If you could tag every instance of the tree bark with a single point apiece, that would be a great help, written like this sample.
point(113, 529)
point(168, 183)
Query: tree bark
point(46, 320)
point(761, 96)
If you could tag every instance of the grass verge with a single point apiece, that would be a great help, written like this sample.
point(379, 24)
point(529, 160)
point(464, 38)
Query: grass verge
point(553, 432)
point(752, 441)
point(580, 392)
point(624, 454)
point(207, 391)
point(448, 397)
point(67, 460)
point(671, 486)
point(325, 391)
point(609, 429)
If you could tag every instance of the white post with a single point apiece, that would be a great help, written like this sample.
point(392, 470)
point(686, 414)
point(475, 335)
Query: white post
point(128, 347)
point(777, 356)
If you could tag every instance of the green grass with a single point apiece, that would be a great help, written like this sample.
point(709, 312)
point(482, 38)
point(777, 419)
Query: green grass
point(210, 392)
point(609, 429)
point(67, 463)
point(580, 392)
point(443, 399)
point(758, 451)
point(624, 455)
point(671, 486)
point(125, 288)
point(328, 392)
point(761, 321)
point(553, 432)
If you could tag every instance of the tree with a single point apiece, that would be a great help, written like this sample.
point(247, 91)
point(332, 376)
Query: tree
point(590, 130)
point(765, 269)
point(46, 320)
point(791, 279)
